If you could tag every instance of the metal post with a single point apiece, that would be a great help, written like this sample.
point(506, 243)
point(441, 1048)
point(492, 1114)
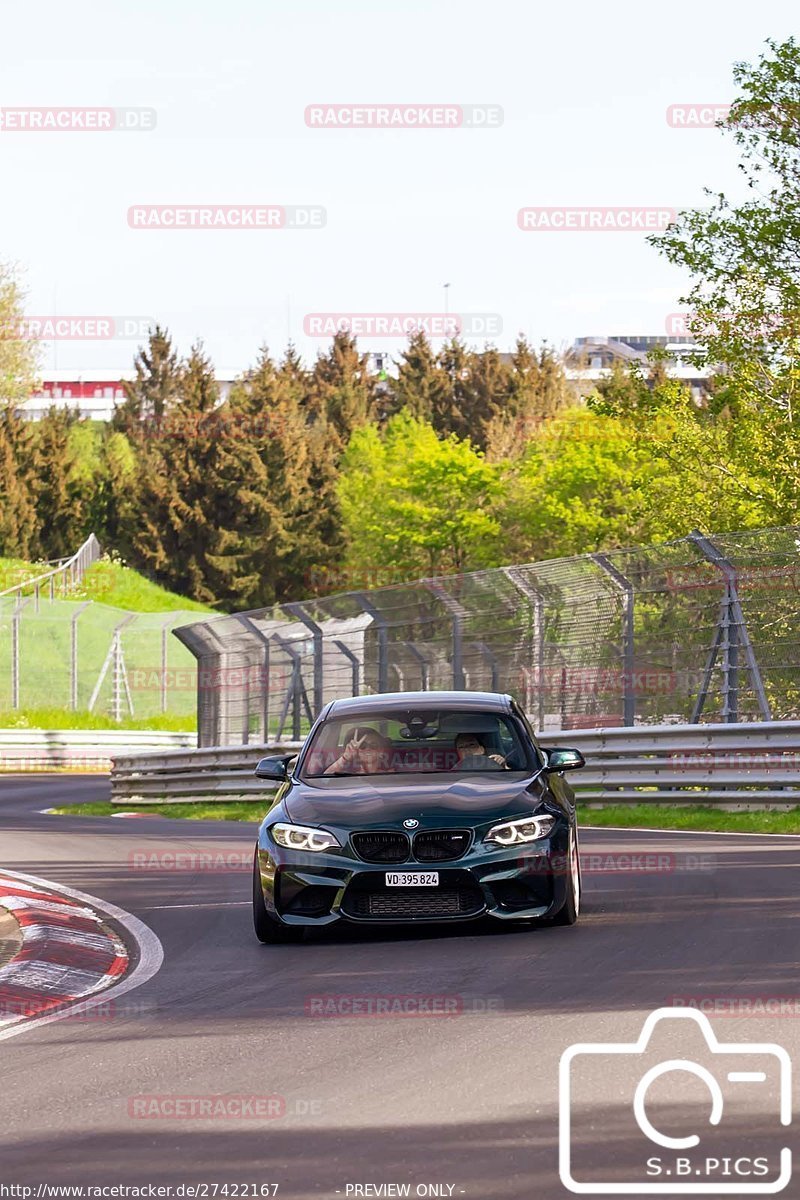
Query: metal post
point(628, 648)
point(164, 662)
point(424, 668)
point(297, 696)
point(731, 633)
point(457, 613)
point(297, 610)
point(535, 601)
point(354, 663)
point(382, 626)
point(73, 671)
point(492, 661)
point(264, 639)
point(15, 616)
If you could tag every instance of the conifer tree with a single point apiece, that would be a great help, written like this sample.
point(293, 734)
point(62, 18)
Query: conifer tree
point(18, 525)
point(150, 397)
point(422, 386)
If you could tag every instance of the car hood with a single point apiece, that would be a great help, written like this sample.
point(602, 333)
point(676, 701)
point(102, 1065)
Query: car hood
point(378, 802)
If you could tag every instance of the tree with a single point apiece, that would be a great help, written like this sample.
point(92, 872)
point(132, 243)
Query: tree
point(341, 388)
point(154, 392)
point(422, 387)
point(183, 514)
point(537, 389)
point(416, 504)
point(19, 355)
point(18, 524)
point(745, 258)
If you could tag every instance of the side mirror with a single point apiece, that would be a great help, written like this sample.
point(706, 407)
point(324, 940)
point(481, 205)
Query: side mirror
point(559, 759)
point(274, 768)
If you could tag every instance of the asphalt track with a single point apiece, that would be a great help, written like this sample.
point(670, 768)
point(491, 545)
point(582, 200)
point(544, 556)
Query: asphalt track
point(467, 1102)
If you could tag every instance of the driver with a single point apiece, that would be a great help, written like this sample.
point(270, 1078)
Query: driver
point(366, 753)
point(472, 756)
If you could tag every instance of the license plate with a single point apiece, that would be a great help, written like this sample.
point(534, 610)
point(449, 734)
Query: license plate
point(412, 878)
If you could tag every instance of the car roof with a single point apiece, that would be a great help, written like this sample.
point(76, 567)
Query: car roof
point(458, 701)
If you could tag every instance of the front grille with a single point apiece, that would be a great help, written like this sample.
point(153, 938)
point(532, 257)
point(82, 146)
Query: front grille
point(381, 847)
point(440, 845)
point(417, 902)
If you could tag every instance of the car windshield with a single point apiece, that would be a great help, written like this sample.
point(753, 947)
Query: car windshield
point(397, 741)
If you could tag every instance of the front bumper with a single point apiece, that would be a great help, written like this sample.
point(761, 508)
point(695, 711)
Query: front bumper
point(507, 883)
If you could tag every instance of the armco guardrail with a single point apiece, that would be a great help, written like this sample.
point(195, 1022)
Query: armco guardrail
point(82, 749)
point(755, 763)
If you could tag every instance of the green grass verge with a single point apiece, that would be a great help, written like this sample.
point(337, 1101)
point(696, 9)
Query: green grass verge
point(109, 582)
point(646, 816)
point(657, 816)
point(64, 718)
point(224, 811)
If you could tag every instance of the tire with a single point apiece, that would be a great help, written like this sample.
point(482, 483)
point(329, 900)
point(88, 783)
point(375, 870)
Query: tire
point(268, 930)
point(568, 915)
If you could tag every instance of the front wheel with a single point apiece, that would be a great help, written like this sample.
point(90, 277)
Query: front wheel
point(568, 915)
point(268, 929)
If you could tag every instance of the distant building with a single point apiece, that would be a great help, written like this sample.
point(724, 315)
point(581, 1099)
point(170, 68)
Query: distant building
point(590, 359)
point(94, 393)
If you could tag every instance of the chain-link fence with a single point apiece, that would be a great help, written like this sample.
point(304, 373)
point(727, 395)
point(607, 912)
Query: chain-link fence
point(701, 629)
point(85, 656)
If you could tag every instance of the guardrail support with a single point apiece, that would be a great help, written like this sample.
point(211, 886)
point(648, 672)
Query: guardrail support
point(628, 649)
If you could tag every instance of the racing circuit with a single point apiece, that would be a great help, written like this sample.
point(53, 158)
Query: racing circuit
point(455, 1095)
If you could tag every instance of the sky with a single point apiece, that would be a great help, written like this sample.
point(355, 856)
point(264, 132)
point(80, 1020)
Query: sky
point(584, 90)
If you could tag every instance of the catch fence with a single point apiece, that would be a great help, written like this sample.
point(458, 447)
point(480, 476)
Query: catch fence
point(703, 629)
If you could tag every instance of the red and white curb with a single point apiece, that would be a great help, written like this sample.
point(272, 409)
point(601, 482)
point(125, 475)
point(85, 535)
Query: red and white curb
point(70, 955)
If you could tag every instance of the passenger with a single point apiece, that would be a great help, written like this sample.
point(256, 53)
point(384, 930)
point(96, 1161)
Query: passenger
point(472, 755)
point(367, 753)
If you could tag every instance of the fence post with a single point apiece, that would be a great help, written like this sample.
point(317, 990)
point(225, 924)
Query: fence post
point(354, 663)
point(73, 666)
point(536, 607)
point(457, 613)
point(297, 610)
point(730, 634)
point(382, 626)
point(628, 649)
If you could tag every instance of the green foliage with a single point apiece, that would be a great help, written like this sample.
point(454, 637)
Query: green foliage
point(745, 258)
point(417, 501)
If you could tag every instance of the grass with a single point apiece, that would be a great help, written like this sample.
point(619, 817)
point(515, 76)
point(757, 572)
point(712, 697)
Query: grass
point(16, 570)
point(108, 582)
point(45, 651)
point(64, 718)
point(647, 816)
point(224, 811)
point(697, 817)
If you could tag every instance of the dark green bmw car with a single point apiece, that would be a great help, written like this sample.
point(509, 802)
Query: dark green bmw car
point(417, 807)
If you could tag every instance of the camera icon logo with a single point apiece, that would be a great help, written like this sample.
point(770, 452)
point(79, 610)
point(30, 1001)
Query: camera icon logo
point(639, 1118)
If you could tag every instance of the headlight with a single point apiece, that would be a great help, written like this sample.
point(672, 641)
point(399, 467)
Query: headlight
point(513, 833)
point(302, 837)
